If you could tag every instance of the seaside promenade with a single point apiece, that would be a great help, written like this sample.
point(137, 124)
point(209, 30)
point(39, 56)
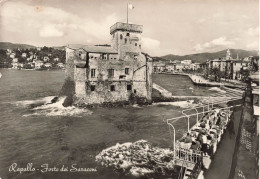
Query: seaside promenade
point(199, 80)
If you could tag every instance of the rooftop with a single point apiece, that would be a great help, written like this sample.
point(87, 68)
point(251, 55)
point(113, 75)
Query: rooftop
point(126, 27)
point(93, 48)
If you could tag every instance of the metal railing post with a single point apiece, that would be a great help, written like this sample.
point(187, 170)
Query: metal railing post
point(197, 117)
point(173, 138)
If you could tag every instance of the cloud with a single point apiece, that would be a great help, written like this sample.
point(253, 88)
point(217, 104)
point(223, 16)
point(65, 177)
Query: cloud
point(221, 41)
point(218, 42)
point(53, 22)
point(50, 31)
point(253, 46)
point(150, 44)
point(253, 31)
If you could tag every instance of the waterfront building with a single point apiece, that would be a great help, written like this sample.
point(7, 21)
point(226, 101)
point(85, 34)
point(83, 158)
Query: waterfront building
point(116, 73)
point(229, 65)
point(38, 64)
point(179, 67)
point(48, 65)
point(60, 65)
point(237, 65)
point(159, 66)
point(17, 65)
point(170, 67)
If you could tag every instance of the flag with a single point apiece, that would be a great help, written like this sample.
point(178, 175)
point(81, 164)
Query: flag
point(130, 6)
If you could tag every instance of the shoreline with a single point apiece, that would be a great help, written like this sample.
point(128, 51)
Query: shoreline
point(205, 83)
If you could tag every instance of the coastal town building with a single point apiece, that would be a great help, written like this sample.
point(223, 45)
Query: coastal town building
point(46, 59)
point(179, 67)
point(38, 64)
point(24, 55)
point(12, 55)
point(48, 65)
point(229, 65)
point(60, 65)
point(116, 73)
point(186, 62)
point(159, 66)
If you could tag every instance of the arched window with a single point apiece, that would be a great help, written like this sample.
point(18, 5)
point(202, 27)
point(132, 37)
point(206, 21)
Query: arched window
point(121, 36)
point(127, 34)
point(135, 44)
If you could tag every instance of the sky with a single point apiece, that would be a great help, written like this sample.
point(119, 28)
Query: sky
point(177, 27)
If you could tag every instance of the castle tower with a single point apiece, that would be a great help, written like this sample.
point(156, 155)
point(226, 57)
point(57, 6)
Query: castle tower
point(228, 55)
point(126, 38)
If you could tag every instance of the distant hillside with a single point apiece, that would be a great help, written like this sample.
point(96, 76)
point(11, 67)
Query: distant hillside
point(8, 45)
point(60, 47)
point(203, 57)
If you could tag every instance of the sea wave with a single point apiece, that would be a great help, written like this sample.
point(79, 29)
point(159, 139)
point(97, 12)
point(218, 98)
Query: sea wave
point(217, 89)
point(181, 104)
point(36, 102)
point(45, 107)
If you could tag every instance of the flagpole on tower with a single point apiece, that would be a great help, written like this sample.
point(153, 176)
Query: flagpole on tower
point(127, 13)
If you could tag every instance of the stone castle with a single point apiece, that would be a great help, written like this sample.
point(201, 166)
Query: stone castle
point(104, 74)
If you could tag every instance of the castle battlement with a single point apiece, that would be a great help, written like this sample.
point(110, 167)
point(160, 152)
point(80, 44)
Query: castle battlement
point(119, 26)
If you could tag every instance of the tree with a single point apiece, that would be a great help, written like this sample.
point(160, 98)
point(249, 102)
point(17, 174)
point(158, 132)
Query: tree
point(216, 72)
point(206, 73)
point(244, 74)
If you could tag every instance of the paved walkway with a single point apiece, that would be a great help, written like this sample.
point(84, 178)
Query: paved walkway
point(222, 160)
point(163, 91)
point(199, 80)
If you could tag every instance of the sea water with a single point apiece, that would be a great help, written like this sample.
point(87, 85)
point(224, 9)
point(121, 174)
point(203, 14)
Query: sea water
point(43, 138)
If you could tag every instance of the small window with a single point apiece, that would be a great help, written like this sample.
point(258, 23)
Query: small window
point(135, 44)
point(127, 71)
point(92, 87)
point(127, 34)
point(93, 73)
point(112, 88)
point(121, 36)
point(134, 91)
point(110, 73)
point(125, 41)
point(129, 87)
point(139, 46)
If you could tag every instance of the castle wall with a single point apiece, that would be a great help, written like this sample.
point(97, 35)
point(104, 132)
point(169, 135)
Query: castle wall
point(102, 75)
point(103, 93)
point(69, 67)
